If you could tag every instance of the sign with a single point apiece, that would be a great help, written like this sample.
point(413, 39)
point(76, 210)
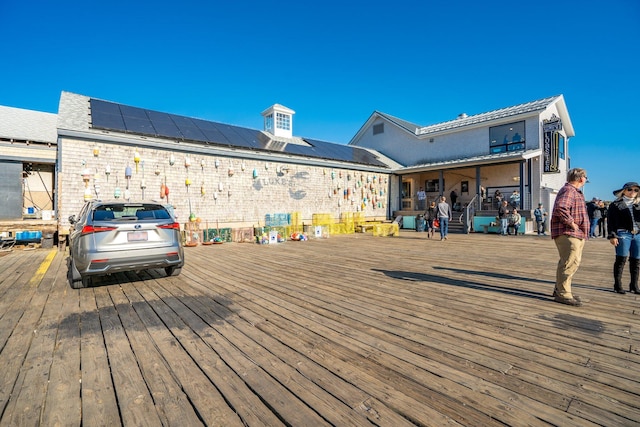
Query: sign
point(551, 157)
point(552, 124)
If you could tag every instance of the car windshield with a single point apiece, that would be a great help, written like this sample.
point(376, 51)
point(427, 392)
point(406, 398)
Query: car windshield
point(126, 211)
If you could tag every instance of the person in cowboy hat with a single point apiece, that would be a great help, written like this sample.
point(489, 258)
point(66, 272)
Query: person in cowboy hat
point(623, 228)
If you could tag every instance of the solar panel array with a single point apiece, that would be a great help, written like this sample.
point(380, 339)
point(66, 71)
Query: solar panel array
point(123, 118)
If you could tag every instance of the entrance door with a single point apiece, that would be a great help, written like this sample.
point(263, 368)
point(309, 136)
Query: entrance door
point(407, 196)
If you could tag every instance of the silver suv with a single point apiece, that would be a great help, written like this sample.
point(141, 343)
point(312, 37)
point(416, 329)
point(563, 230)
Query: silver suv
point(109, 237)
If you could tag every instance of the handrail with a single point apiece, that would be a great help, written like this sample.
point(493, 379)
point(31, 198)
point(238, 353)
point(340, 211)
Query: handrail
point(468, 212)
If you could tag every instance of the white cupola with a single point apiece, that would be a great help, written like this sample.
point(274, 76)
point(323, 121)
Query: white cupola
point(278, 120)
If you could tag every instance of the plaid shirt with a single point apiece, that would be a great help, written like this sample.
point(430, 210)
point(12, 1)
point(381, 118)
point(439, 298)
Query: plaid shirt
point(569, 207)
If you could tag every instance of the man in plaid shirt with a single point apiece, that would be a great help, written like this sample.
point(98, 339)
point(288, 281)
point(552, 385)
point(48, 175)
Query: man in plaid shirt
point(569, 231)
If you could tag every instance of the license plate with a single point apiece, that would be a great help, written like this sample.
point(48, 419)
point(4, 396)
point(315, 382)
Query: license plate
point(137, 236)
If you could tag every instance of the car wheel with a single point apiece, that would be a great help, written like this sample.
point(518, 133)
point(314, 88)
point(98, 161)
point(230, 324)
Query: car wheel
point(76, 279)
point(173, 271)
point(86, 281)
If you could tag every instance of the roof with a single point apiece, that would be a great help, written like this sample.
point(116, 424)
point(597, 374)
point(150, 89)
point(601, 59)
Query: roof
point(506, 157)
point(80, 113)
point(27, 125)
point(501, 114)
point(491, 116)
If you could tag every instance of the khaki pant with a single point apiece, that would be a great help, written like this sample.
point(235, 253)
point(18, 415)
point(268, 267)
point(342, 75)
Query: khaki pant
point(570, 251)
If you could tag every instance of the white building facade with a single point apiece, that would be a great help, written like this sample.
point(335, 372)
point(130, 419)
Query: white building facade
point(523, 149)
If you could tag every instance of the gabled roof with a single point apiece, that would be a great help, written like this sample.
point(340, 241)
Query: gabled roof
point(502, 113)
point(527, 108)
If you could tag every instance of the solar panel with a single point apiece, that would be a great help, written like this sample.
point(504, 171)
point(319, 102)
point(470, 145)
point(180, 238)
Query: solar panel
point(127, 119)
point(164, 126)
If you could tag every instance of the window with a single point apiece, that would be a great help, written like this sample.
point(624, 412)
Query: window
point(432, 185)
point(378, 128)
point(561, 146)
point(509, 137)
point(283, 121)
point(268, 123)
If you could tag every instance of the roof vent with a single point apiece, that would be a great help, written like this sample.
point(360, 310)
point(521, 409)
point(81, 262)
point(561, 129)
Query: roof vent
point(462, 115)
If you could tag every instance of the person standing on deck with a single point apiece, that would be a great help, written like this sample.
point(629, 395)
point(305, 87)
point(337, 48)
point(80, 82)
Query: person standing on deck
point(444, 216)
point(569, 231)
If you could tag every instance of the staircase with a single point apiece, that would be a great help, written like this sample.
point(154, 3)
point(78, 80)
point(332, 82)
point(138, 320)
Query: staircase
point(455, 226)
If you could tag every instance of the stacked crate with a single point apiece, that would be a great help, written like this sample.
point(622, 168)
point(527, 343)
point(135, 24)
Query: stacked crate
point(325, 222)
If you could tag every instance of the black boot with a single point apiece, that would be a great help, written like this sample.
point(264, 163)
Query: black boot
point(618, 268)
point(634, 266)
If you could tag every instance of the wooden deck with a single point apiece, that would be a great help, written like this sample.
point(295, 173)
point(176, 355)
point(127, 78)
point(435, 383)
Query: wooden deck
point(351, 330)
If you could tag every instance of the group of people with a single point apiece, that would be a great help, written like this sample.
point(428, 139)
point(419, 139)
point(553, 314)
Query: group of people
point(571, 227)
point(510, 219)
point(597, 212)
point(438, 215)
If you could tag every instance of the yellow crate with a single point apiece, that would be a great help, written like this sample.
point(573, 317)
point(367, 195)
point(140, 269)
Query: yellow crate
point(322, 219)
point(337, 229)
point(382, 230)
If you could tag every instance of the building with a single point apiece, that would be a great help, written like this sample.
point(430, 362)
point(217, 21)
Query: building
point(522, 149)
point(236, 177)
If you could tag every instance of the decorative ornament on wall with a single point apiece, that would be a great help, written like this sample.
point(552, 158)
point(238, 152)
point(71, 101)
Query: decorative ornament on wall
point(127, 175)
point(217, 163)
point(172, 160)
point(202, 189)
point(117, 193)
point(96, 151)
point(136, 159)
point(157, 171)
point(86, 176)
point(243, 166)
point(202, 164)
point(220, 186)
point(107, 171)
point(255, 173)
point(187, 161)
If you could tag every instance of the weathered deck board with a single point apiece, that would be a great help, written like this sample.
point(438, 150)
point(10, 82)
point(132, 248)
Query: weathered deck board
point(351, 330)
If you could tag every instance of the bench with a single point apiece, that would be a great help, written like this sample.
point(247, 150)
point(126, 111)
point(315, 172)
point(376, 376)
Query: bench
point(488, 224)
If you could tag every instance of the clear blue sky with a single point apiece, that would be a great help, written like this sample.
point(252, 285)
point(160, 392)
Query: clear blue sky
point(335, 62)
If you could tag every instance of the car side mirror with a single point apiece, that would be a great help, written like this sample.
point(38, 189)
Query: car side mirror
point(72, 219)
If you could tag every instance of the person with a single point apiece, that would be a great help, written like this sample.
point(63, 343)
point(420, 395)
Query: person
point(541, 219)
point(444, 216)
point(430, 215)
point(503, 214)
point(623, 226)
point(483, 194)
point(514, 222)
point(422, 198)
point(497, 196)
point(515, 198)
point(602, 229)
point(591, 208)
point(454, 197)
point(569, 231)
point(597, 217)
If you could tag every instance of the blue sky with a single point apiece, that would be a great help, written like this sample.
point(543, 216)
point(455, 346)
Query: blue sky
point(334, 63)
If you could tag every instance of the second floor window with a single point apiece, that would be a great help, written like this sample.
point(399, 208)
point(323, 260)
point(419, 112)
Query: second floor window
point(509, 137)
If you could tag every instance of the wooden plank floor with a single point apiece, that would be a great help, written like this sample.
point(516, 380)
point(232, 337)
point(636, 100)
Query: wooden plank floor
point(348, 331)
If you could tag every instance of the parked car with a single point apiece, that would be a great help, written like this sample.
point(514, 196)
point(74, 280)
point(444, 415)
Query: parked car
point(109, 237)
